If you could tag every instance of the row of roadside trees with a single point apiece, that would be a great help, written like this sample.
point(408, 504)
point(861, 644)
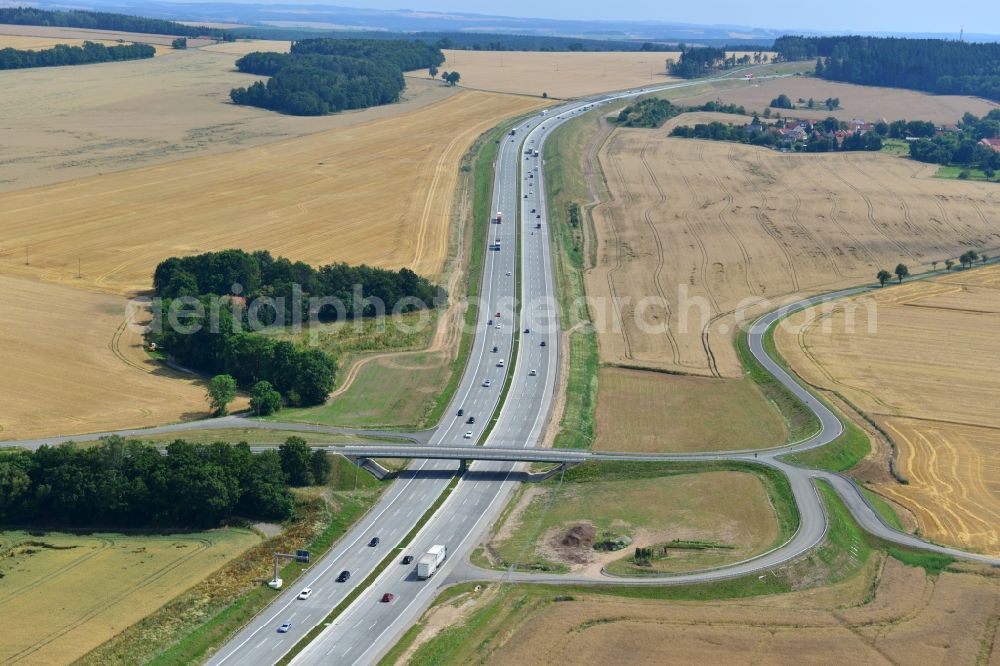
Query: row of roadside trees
point(967, 259)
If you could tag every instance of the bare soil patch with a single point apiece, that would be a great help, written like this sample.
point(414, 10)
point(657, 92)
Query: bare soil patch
point(921, 359)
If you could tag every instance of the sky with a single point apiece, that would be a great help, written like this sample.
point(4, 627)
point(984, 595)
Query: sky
point(978, 16)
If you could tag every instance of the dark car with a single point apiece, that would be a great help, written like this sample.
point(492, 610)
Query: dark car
point(527, 330)
point(374, 542)
point(461, 412)
point(543, 343)
point(388, 597)
point(494, 349)
point(471, 419)
point(407, 559)
point(489, 323)
point(344, 575)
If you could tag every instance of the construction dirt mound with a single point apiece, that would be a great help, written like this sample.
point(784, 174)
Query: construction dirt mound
point(579, 536)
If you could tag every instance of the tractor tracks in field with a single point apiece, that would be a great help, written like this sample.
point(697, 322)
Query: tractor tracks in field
point(674, 347)
point(611, 215)
point(872, 220)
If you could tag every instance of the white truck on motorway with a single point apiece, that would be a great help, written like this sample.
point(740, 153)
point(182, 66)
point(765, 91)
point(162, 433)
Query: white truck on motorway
point(430, 561)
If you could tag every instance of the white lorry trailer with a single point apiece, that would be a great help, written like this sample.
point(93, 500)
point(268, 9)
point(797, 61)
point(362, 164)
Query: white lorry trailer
point(430, 561)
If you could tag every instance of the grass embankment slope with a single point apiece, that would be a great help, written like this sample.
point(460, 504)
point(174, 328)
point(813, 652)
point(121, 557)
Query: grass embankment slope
point(826, 603)
point(920, 360)
point(64, 594)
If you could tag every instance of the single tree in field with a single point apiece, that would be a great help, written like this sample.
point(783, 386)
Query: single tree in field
point(883, 277)
point(948, 263)
point(452, 78)
point(179, 43)
point(983, 258)
point(264, 400)
point(433, 71)
point(934, 265)
point(296, 461)
point(901, 271)
point(221, 391)
point(968, 258)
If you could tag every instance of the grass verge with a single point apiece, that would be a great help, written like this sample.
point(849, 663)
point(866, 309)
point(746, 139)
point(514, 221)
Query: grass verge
point(883, 509)
point(576, 429)
point(840, 455)
point(801, 422)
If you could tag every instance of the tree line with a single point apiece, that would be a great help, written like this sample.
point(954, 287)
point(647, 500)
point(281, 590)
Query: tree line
point(77, 18)
point(63, 54)
point(932, 65)
point(323, 76)
point(756, 134)
point(783, 101)
point(258, 274)
point(967, 259)
point(654, 111)
point(122, 483)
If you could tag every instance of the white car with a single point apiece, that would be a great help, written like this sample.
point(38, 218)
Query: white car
point(305, 593)
point(487, 382)
point(468, 434)
point(533, 373)
point(499, 326)
point(500, 363)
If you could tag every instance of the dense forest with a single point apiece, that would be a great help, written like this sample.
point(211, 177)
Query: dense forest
point(931, 65)
point(105, 21)
point(704, 60)
point(323, 76)
point(258, 274)
point(121, 483)
point(62, 54)
point(221, 337)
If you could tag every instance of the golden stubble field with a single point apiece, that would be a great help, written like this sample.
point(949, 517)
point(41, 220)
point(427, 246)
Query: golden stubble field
point(561, 75)
point(64, 594)
point(697, 237)
point(380, 193)
point(61, 35)
point(869, 103)
point(921, 359)
point(911, 619)
point(71, 365)
point(64, 123)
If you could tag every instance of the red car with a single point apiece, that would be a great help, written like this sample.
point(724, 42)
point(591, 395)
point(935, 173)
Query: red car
point(387, 598)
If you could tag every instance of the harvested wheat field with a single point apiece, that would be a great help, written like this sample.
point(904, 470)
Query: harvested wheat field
point(698, 237)
point(71, 365)
point(561, 75)
point(244, 46)
point(652, 412)
point(921, 359)
point(62, 34)
point(24, 42)
point(59, 599)
point(865, 102)
point(63, 123)
point(380, 194)
point(912, 618)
